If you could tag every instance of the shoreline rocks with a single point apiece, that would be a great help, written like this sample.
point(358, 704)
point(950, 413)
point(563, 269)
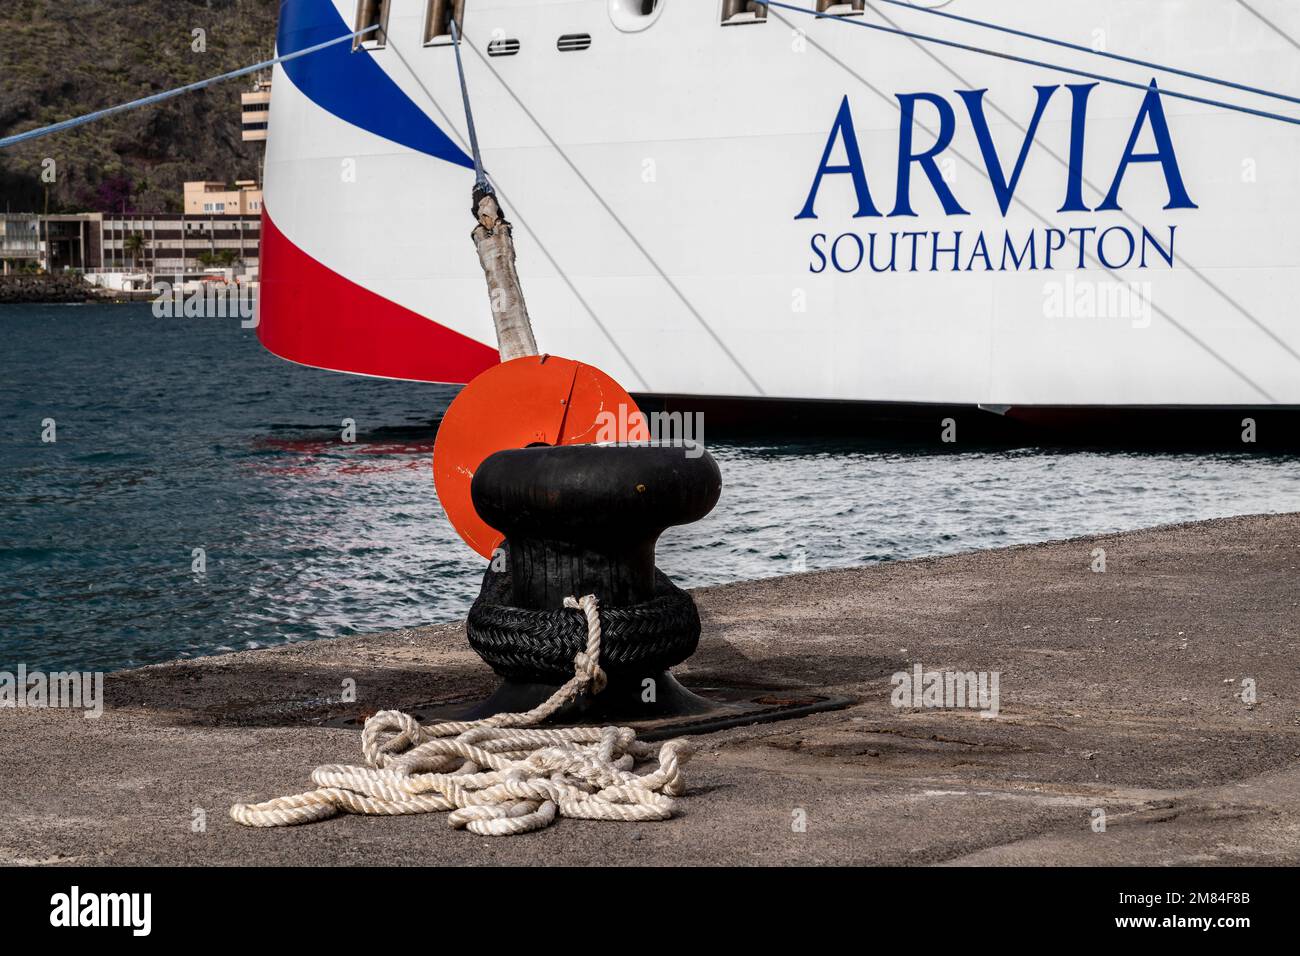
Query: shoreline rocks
point(42, 289)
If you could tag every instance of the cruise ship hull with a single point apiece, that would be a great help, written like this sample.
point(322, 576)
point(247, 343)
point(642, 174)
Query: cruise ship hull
point(801, 208)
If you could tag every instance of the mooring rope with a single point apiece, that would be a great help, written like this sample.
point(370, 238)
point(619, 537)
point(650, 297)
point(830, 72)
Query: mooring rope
point(498, 776)
point(76, 121)
point(480, 176)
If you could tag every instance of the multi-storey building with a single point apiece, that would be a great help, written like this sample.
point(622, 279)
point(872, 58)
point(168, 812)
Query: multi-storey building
point(211, 198)
point(256, 108)
point(20, 242)
point(52, 243)
point(183, 244)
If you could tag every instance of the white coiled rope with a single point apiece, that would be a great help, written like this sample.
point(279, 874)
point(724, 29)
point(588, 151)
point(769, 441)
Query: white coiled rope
point(498, 776)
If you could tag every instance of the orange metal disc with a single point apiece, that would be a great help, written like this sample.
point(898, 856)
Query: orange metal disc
point(537, 399)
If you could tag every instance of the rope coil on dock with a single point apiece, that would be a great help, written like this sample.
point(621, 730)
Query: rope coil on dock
point(531, 645)
point(498, 776)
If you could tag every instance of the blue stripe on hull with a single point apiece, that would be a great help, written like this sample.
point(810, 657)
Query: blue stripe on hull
point(353, 86)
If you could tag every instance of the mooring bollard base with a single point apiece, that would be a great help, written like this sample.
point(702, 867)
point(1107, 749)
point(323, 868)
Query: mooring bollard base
point(676, 711)
point(624, 699)
point(582, 520)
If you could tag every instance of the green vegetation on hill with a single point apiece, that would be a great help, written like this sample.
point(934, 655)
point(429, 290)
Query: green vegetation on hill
point(63, 58)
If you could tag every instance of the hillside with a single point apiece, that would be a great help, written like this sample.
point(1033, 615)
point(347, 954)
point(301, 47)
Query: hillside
point(62, 58)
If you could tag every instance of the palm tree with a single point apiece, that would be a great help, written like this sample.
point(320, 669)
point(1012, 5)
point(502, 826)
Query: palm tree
point(133, 245)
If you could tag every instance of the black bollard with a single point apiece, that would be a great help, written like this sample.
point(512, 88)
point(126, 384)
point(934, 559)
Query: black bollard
point(584, 519)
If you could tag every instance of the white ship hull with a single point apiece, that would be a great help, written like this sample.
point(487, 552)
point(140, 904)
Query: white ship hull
point(656, 181)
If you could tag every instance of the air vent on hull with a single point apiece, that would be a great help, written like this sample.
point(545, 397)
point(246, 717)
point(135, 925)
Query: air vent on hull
point(572, 42)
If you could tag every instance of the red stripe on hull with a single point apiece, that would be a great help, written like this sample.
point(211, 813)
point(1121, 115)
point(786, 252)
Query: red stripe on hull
point(312, 315)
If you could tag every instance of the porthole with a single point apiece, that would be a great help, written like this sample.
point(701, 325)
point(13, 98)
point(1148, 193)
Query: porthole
point(631, 16)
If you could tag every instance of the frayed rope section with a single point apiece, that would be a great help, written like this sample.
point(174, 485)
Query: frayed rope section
point(498, 776)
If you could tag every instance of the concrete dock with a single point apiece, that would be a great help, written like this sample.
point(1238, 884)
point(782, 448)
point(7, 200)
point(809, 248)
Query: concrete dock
point(1163, 693)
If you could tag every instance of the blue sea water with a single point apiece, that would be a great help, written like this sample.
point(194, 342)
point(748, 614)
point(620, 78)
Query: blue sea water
point(178, 434)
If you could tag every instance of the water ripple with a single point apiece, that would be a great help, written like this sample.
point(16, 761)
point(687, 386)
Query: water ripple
point(182, 434)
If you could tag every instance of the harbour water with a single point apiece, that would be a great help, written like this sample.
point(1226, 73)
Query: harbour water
point(174, 435)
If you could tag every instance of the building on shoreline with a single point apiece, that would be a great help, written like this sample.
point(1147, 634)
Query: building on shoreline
point(20, 242)
point(59, 243)
point(220, 228)
point(181, 245)
point(163, 244)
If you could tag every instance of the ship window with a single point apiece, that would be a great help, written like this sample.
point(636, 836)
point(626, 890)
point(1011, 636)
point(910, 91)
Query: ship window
point(437, 25)
point(841, 8)
point(735, 12)
point(372, 13)
point(503, 47)
point(572, 42)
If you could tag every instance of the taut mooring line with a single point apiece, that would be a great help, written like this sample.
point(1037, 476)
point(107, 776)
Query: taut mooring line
point(480, 177)
point(494, 241)
point(1029, 61)
point(68, 124)
point(1080, 48)
point(455, 133)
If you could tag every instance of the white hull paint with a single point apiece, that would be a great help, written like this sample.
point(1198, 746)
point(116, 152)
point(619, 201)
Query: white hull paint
point(655, 179)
